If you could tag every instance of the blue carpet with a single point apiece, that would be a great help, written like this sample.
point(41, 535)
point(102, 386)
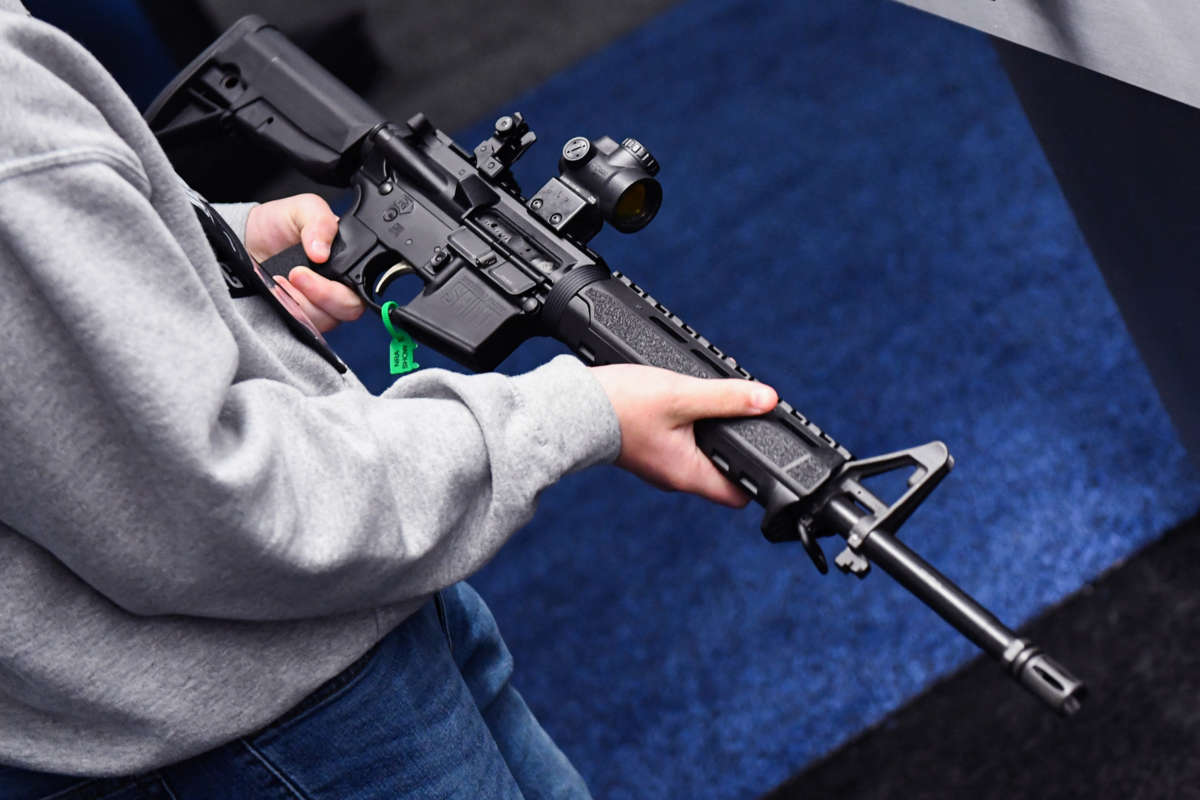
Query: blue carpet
point(856, 209)
point(107, 29)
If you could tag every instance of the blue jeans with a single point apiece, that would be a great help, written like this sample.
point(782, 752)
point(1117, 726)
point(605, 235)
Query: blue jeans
point(428, 713)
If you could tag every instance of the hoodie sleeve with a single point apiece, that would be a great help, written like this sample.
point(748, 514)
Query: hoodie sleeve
point(151, 463)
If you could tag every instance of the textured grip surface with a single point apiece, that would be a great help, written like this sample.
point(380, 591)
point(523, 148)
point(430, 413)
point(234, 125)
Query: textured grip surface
point(780, 458)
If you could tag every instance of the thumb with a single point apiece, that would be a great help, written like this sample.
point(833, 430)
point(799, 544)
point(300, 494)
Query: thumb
point(318, 225)
point(704, 398)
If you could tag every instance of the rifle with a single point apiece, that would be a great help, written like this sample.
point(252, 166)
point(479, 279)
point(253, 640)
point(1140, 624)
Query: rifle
point(498, 268)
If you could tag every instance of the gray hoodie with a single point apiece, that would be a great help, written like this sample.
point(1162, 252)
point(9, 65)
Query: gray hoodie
point(200, 519)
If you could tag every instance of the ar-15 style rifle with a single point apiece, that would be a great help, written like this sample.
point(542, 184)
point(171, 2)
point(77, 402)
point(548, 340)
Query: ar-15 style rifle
point(499, 268)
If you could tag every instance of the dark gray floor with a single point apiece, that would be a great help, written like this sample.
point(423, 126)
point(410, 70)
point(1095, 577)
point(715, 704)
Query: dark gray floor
point(457, 61)
point(1130, 634)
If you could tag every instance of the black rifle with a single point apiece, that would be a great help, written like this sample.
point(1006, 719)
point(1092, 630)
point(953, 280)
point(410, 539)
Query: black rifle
point(498, 268)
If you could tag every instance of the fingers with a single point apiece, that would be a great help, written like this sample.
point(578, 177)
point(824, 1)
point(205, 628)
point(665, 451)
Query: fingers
point(333, 300)
point(304, 218)
point(327, 303)
point(703, 398)
point(656, 410)
point(680, 466)
point(706, 481)
point(323, 321)
point(317, 225)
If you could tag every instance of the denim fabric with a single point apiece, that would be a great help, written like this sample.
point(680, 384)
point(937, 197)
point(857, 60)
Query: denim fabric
point(428, 713)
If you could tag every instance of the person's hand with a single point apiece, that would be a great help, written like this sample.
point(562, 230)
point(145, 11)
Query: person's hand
point(656, 409)
point(303, 219)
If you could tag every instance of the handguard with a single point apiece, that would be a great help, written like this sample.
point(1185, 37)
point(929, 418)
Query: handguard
point(498, 268)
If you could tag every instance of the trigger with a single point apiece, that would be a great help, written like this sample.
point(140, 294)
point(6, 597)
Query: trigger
point(390, 274)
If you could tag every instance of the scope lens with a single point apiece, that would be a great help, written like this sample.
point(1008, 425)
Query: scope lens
point(637, 205)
